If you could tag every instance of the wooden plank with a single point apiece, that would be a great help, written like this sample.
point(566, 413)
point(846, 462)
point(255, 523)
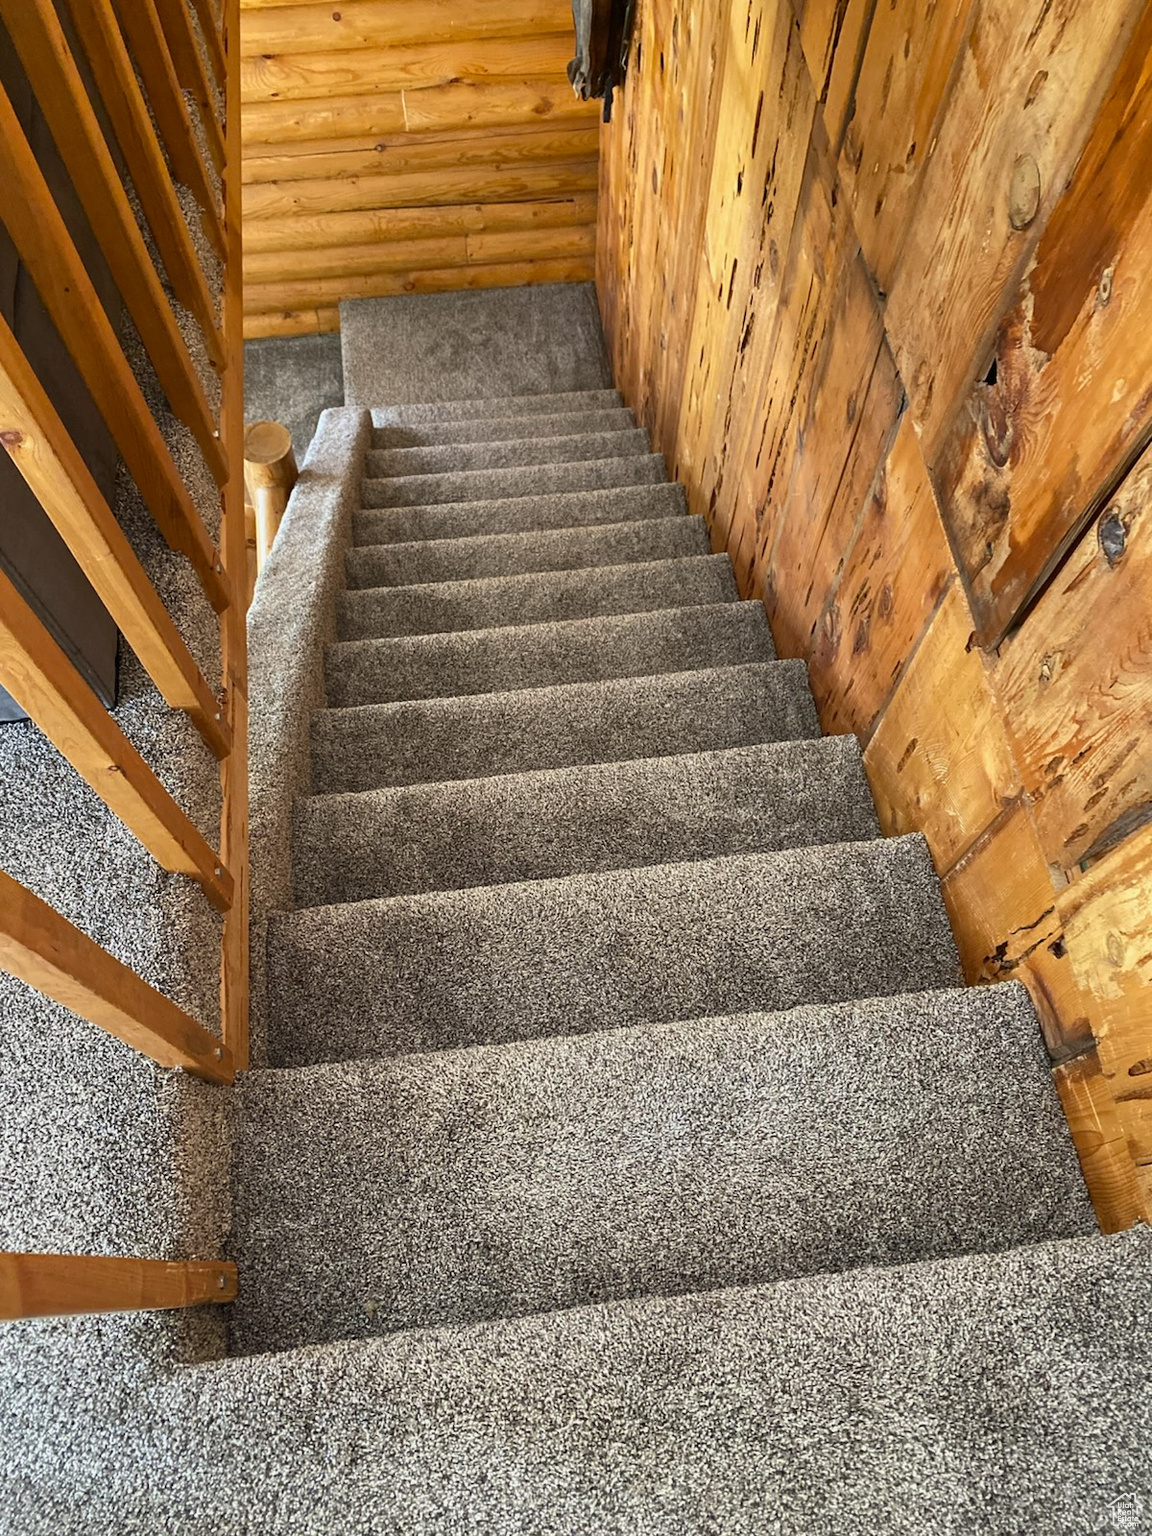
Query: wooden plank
point(944, 772)
point(472, 248)
point(47, 952)
point(188, 60)
point(1026, 93)
point(40, 235)
point(38, 444)
point(213, 41)
point(56, 82)
point(115, 77)
point(58, 1284)
point(234, 829)
point(437, 109)
point(291, 322)
point(144, 34)
point(1107, 924)
point(312, 28)
point(320, 292)
point(1037, 448)
point(361, 227)
point(907, 72)
point(1002, 906)
point(420, 189)
point(893, 577)
point(833, 35)
point(1075, 683)
point(1101, 1144)
point(42, 680)
point(496, 148)
point(301, 76)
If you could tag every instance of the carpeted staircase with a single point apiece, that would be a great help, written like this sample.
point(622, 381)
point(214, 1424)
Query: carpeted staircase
point(624, 1101)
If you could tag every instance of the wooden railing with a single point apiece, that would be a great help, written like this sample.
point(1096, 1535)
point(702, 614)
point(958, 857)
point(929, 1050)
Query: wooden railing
point(166, 76)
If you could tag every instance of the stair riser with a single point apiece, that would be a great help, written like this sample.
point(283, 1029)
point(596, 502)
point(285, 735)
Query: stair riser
point(515, 453)
point(518, 514)
point(539, 598)
point(489, 484)
point(542, 826)
point(397, 565)
point(395, 744)
point(503, 406)
point(680, 941)
point(490, 429)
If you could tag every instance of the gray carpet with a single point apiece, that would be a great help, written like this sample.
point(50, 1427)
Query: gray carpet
point(519, 514)
point(594, 474)
point(498, 429)
point(458, 346)
point(293, 379)
point(508, 453)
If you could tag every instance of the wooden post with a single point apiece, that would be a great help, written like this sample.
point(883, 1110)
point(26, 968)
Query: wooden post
point(270, 473)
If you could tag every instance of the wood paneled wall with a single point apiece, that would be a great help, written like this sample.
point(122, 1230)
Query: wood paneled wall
point(873, 272)
point(398, 146)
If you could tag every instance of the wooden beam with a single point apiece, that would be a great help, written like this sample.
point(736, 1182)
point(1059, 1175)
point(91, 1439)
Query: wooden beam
point(369, 226)
point(319, 292)
point(292, 322)
point(47, 952)
point(61, 1284)
point(495, 148)
point(115, 76)
point(191, 71)
point(435, 109)
point(38, 444)
point(441, 251)
point(421, 189)
point(145, 36)
point(234, 841)
point(311, 28)
point(56, 83)
point(41, 679)
point(300, 76)
point(42, 239)
point(213, 41)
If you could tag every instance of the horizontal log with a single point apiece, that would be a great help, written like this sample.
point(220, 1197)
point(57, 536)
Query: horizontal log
point(49, 953)
point(41, 449)
point(43, 681)
point(424, 152)
point(273, 27)
point(436, 109)
point(62, 1284)
point(406, 255)
point(299, 76)
point(420, 189)
point(331, 230)
point(320, 292)
point(291, 322)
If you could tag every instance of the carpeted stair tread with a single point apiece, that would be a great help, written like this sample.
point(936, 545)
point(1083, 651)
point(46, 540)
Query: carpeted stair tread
point(518, 514)
point(758, 933)
point(494, 429)
point(513, 554)
point(1001, 1393)
point(378, 746)
point(531, 480)
point(546, 654)
point(508, 453)
point(565, 821)
point(508, 1179)
point(501, 406)
point(539, 596)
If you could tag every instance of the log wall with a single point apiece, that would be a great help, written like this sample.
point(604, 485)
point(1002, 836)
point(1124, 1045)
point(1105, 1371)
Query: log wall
point(872, 271)
point(396, 146)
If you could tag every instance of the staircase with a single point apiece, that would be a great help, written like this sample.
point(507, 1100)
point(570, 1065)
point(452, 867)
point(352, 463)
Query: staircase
point(627, 1155)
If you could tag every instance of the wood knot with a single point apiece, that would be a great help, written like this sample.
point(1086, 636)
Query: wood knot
point(1112, 536)
point(1024, 192)
point(11, 437)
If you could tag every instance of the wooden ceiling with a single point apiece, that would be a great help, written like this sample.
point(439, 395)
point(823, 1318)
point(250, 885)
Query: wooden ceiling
point(395, 146)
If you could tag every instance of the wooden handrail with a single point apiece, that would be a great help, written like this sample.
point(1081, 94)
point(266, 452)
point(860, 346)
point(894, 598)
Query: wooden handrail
point(42, 680)
point(188, 62)
point(49, 953)
point(33, 220)
point(111, 66)
point(38, 444)
point(270, 473)
point(61, 1284)
point(145, 37)
point(39, 39)
point(234, 978)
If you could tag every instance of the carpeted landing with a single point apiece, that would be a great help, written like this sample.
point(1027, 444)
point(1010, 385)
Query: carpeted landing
point(616, 1051)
